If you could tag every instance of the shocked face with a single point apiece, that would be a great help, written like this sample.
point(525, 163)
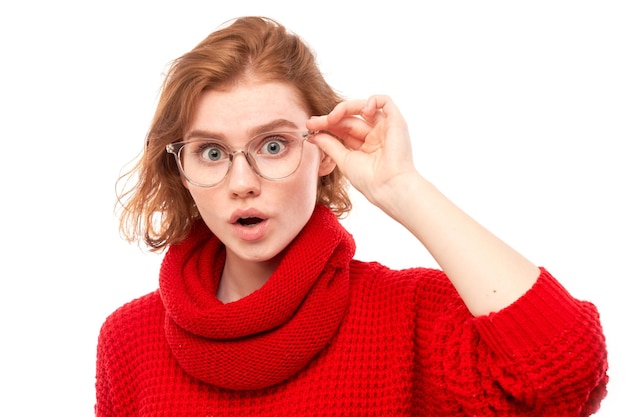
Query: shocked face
point(254, 215)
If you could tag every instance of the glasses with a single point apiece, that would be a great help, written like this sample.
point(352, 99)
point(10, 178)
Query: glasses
point(272, 155)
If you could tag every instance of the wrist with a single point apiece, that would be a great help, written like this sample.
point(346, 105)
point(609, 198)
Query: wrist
point(399, 195)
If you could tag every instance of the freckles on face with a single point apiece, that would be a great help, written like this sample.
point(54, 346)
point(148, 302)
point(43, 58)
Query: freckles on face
point(254, 217)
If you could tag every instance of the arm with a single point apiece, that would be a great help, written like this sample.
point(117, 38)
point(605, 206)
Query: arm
point(376, 157)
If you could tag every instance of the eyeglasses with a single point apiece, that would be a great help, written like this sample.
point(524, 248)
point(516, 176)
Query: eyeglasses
point(272, 155)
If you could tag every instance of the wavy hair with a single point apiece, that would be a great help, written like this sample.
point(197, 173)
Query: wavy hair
point(155, 207)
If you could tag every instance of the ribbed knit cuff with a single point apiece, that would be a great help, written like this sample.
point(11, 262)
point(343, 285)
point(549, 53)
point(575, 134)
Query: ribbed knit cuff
point(534, 320)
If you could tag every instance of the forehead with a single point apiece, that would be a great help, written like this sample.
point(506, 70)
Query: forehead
point(245, 106)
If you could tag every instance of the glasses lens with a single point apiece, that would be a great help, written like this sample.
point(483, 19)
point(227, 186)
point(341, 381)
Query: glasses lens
point(276, 155)
point(204, 162)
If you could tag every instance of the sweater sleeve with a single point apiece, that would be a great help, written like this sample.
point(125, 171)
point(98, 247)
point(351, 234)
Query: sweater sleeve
point(543, 355)
point(556, 342)
point(121, 344)
point(103, 406)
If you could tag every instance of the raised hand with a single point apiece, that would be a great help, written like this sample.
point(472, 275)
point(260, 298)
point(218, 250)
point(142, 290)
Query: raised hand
point(376, 157)
point(374, 147)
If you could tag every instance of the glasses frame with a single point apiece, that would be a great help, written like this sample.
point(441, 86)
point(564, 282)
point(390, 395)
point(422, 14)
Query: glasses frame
point(176, 147)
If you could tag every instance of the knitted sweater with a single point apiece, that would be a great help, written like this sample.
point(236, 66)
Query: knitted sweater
point(328, 335)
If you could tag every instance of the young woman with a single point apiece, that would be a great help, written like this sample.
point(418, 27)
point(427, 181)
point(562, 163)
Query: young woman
point(261, 308)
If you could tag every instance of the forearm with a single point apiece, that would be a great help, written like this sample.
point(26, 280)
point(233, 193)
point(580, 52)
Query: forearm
point(488, 274)
point(376, 157)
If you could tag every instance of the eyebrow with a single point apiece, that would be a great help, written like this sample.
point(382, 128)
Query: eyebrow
point(274, 125)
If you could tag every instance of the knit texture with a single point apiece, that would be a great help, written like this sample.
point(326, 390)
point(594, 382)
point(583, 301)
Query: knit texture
point(332, 336)
point(266, 331)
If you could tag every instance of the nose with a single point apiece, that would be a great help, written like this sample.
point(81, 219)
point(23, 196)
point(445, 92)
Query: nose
point(242, 180)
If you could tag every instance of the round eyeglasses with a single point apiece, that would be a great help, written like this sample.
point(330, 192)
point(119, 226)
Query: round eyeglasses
point(272, 155)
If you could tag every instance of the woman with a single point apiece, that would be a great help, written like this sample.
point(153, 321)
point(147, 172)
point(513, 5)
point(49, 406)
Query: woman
point(261, 308)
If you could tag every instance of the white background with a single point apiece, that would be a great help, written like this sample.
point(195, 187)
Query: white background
point(517, 112)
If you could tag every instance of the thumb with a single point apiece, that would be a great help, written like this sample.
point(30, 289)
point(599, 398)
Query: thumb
point(331, 146)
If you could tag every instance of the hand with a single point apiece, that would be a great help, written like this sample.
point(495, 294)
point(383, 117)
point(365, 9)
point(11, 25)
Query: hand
point(376, 157)
point(376, 148)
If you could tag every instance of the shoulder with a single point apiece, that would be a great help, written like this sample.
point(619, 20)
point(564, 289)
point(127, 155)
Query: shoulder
point(133, 317)
point(428, 279)
point(428, 285)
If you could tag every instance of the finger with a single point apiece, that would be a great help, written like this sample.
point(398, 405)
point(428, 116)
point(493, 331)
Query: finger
point(348, 129)
point(346, 109)
point(332, 147)
point(372, 110)
point(318, 123)
point(380, 103)
point(343, 110)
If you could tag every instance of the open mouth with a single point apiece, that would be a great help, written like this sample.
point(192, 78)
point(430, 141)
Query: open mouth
point(249, 221)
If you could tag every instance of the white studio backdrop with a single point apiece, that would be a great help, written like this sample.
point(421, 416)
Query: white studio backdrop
point(516, 109)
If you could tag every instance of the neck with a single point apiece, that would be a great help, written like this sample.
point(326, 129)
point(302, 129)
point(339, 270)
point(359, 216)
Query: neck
point(241, 278)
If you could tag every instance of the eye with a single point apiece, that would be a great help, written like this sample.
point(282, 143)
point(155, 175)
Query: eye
point(274, 145)
point(211, 152)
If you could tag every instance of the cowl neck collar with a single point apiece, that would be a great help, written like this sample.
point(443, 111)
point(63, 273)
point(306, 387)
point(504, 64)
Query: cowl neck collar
point(270, 335)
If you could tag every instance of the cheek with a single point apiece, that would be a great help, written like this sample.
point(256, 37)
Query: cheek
point(308, 174)
point(205, 199)
point(298, 194)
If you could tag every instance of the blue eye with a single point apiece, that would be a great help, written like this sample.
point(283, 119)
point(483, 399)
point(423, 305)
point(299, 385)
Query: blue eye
point(273, 144)
point(273, 148)
point(211, 152)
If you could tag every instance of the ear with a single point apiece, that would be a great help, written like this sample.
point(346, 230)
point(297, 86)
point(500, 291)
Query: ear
point(327, 165)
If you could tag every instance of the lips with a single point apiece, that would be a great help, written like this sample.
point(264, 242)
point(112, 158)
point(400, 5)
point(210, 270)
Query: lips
point(247, 217)
point(249, 225)
point(249, 221)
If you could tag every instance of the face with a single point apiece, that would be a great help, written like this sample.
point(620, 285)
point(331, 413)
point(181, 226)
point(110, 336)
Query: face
point(256, 218)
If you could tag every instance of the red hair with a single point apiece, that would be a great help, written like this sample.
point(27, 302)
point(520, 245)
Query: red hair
point(157, 208)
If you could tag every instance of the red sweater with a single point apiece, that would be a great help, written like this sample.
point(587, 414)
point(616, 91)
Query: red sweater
point(331, 336)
